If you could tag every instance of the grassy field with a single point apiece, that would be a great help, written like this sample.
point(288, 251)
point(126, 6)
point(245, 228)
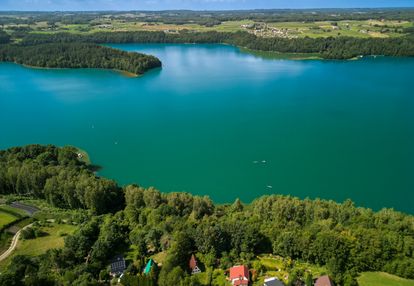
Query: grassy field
point(351, 28)
point(6, 218)
point(382, 279)
point(359, 29)
point(9, 214)
point(53, 239)
point(278, 267)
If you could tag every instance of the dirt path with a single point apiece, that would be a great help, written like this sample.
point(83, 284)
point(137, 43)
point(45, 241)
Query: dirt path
point(13, 245)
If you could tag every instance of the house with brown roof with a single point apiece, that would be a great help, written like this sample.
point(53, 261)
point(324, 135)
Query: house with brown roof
point(239, 275)
point(324, 281)
point(193, 265)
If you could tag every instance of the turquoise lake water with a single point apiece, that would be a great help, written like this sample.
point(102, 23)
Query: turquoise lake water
point(216, 121)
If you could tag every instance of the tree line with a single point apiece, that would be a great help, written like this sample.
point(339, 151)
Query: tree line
point(329, 48)
point(209, 18)
point(58, 176)
point(344, 238)
point(78, 55)
point(4, 37)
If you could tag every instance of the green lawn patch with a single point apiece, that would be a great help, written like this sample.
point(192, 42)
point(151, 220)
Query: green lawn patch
point(6, 218)
point(276, 266)
point(159, 257)
point(382, 279)
point(33, 247)
point(54, 239)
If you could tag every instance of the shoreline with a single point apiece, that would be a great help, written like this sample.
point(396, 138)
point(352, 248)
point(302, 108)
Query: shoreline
point(282, 56)
point(124, 73)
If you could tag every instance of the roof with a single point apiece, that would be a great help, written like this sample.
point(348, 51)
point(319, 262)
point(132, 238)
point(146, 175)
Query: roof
point(324, 281)
point(240, 283)
point(273, 281)
point(118, 264)
point(193, 262)
point(148, 267)
point(239, 271)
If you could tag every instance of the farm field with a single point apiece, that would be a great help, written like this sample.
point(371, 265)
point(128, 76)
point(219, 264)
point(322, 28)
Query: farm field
point(317, 29)
point(360, 29)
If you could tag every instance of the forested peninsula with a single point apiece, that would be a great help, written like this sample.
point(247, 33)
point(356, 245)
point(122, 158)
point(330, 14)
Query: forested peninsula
point(77, 55)
point(111, 219)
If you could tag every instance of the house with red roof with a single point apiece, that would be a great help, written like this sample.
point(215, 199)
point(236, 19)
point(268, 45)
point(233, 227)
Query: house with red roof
point(239, 275)
point(193, 265)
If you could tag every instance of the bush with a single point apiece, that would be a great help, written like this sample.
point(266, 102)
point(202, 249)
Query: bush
point(32, 232)
point(28, 233)
point(62, 233)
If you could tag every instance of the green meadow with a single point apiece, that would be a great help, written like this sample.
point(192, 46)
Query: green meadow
point(382, 279)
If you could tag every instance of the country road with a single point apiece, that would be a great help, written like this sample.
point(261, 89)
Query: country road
point(13, 245)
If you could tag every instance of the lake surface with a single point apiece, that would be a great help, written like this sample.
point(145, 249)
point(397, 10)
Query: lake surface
point(216, 121)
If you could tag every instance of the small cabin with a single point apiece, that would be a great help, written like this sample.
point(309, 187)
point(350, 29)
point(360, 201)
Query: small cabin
point(193, 265)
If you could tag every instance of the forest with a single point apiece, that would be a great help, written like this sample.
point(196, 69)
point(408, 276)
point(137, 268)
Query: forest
point(344, 238)
point(4, 37)
point(78, 55)
point(329, 48)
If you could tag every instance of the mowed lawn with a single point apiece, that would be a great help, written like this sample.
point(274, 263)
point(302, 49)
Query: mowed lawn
point(40, 245)
point(6, 218)
point(382, 279)
point(274, 266)
point(32, 247)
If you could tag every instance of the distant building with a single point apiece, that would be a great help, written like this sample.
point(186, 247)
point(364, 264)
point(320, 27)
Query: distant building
point(324, 281)
point(118, 265)
point(193, 265)
point(239, 275)
point(273, 281)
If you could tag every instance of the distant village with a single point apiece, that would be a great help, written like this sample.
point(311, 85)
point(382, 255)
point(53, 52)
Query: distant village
point(264, 30)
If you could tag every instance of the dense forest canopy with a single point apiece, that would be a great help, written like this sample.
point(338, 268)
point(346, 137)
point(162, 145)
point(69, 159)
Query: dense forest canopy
point(4, 37)
point(345, 238)
point(78, 55)
point(58, 176)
